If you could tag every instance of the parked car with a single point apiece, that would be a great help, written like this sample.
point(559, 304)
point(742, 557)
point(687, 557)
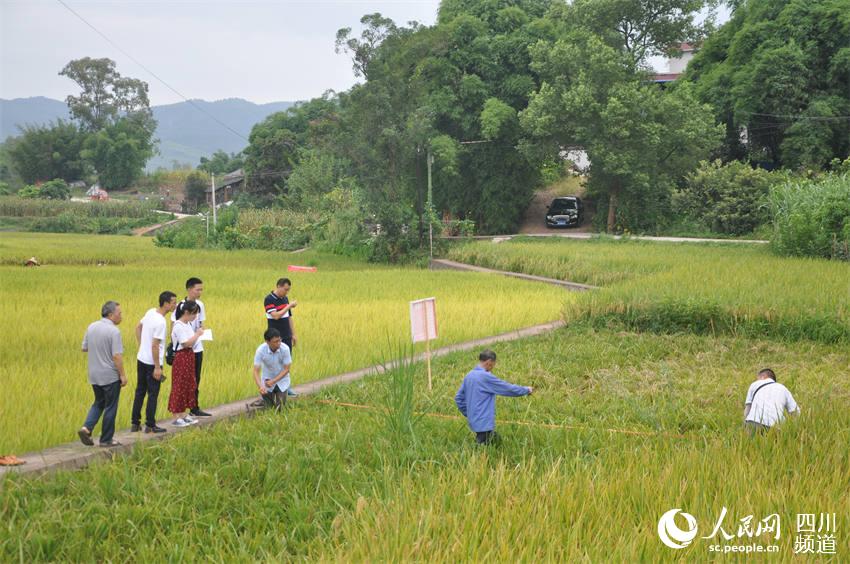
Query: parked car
point(567, 211)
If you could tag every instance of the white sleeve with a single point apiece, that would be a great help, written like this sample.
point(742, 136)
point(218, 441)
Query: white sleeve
point(790, 404)
point(750, 392)
point(159, 331)
point(202, 315)
point(178, 335)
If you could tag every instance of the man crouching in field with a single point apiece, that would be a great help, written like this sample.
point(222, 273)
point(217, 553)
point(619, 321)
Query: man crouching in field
point(476, 398)
point(272, 362)
point(766, 403)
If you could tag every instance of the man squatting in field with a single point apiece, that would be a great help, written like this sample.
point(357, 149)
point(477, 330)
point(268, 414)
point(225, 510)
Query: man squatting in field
point(476, 398)
point(766, 403)
point(272, 362)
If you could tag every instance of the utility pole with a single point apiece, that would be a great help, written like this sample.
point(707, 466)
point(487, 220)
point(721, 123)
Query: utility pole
point(215, 222)
point(430, 204)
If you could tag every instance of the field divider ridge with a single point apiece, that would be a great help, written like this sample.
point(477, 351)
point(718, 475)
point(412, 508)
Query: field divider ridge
point(445, 264)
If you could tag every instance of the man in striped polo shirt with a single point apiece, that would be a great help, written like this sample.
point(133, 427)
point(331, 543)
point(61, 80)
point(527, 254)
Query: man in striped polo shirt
point(278, 310)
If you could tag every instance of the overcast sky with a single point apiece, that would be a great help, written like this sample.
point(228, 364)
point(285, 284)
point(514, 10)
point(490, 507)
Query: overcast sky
point(260, 50)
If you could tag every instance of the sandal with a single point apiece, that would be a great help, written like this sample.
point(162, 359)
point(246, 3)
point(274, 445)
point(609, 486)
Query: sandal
point(111, 443)
point(11, 460)
point(85, 436)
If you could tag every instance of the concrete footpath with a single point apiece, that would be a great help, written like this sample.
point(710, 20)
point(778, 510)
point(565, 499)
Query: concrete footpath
point(585, 236)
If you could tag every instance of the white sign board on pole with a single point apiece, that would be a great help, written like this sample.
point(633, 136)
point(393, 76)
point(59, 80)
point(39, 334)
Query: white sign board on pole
point(423, 326)
point(423, 320)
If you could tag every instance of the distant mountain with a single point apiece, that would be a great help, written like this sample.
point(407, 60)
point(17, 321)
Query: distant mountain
point(29, 111)
point(185, 132)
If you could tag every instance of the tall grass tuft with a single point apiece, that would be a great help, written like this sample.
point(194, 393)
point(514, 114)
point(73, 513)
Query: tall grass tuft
point(398, 416)
point(812, 217)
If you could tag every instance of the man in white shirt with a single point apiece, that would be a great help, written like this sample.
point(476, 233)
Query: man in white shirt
point(194, 289)
point(766, 403)
point(150, 333)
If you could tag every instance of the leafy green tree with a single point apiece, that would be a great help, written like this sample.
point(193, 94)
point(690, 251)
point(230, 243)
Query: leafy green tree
point(48, 151)
point(275, 143)
point(119, 151)
point(106, 96)
point(115, 112)
point(641, 28)
point(641, 140)
point(376, 29)
point(221, 163)
point(778, 76)
point(195, 190)
point(452, 90)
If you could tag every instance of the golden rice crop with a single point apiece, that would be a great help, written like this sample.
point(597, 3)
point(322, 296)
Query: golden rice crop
point(347, 316)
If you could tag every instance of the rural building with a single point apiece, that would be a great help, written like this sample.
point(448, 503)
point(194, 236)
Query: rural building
point(226, 187)
point(676, 65)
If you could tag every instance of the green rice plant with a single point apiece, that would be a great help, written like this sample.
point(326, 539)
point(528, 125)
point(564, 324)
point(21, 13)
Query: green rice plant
point(397, 410)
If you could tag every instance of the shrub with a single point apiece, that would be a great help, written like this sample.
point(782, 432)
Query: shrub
point(812, 217)
point(29, 192)
point(729, 199)
point(55, 189)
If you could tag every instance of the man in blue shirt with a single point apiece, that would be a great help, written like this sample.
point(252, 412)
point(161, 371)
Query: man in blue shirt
point(274, 361)
point(476, 398)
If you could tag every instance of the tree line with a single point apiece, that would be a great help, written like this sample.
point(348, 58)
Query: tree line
point(494, 94)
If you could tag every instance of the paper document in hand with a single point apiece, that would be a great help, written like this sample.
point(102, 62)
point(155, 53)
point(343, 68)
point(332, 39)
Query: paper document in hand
point(207, 336)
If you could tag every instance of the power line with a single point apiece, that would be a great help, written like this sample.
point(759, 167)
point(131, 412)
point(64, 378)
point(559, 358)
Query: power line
point(153, 74)
point(798, 116)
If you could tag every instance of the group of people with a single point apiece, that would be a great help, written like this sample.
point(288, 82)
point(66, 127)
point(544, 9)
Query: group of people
point(765, 405)
point(103, 344)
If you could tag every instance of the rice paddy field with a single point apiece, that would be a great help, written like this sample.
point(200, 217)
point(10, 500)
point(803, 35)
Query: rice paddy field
point(711, 289)
point(349, 316)
point(628, 421)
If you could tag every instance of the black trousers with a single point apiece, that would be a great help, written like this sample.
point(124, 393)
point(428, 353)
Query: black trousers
point(486, 437)
point(199, 360)
point(275, 398)
point(287, 341)
point(106, 404)
point(146, 385)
